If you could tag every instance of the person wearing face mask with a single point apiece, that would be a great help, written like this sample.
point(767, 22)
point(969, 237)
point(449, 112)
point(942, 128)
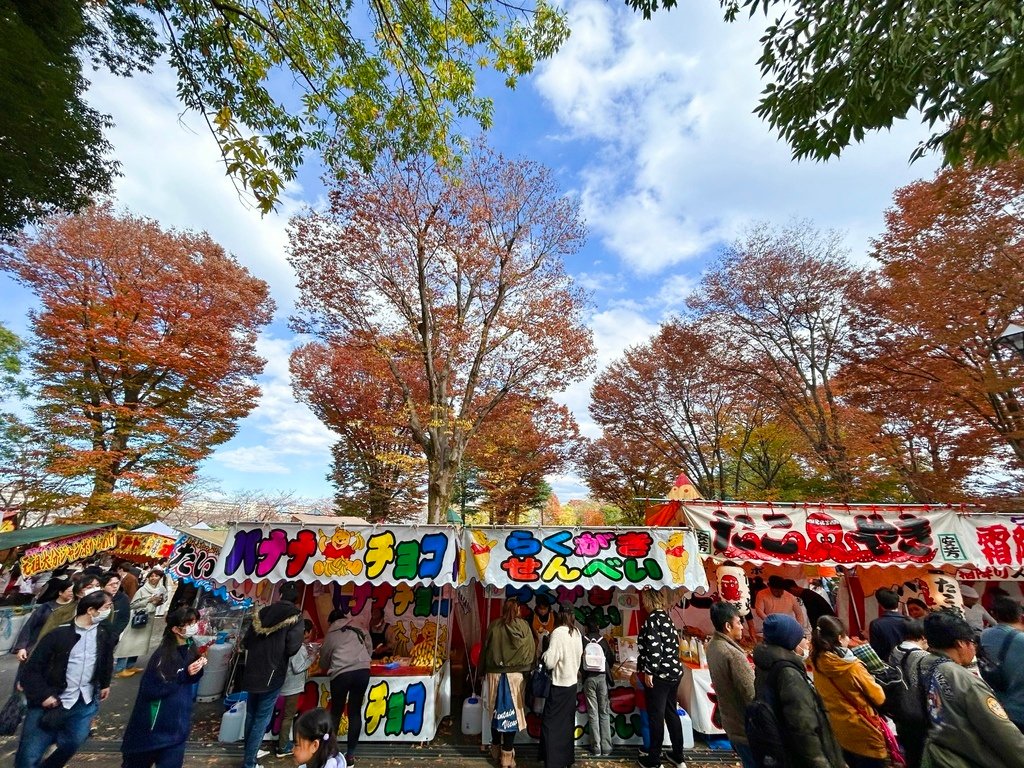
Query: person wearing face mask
point(65, 679)
point(850, 695)
point(779, 662)
point(161, 719)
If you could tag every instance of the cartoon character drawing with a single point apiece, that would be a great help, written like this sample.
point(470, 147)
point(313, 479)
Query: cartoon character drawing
point(339, 551)
point(676, 556)
point(481, 548)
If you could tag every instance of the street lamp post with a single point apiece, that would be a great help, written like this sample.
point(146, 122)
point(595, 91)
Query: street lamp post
point(1012, 337)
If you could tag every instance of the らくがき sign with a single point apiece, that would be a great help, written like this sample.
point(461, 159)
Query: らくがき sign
point(597, 557)
point(338, 553)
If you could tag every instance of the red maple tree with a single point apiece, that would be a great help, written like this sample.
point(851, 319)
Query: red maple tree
point(951, 257)
point(377, 467)
point(144, 354)
point(458, 273)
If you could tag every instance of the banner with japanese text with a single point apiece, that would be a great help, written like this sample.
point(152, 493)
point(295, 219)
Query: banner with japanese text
point(193, 560)
point(346, 554)
point(864, 535)
point(143, 546)
point(613, 557)
point(60, 552)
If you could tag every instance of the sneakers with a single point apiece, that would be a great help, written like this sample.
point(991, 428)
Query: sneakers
point(287, 750)
point(350, 758)
point(676, 762)
point(262, 753)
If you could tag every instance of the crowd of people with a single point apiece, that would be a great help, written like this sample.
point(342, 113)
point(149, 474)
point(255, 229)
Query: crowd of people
point(911, 694)
point(920, 674)
point(92, 624)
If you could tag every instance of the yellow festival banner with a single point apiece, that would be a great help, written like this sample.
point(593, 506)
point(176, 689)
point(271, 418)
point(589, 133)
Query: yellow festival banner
point(62, 551)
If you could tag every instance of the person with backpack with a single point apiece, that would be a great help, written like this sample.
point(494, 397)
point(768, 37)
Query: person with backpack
point(509, 649)
point(732, 676)
point(597, 679)
point(660, 671)
point(907, 708)
point(850, 694)
point(346, 654)
point(1003, 646)
point(786, 724)
point(968, 726)
point(563, 657)
point(886, 632)
point(273, 637)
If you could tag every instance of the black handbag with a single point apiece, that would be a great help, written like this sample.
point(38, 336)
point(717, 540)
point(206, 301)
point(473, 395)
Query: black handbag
point(12, 713)
point(140, 618)
point(540, 687)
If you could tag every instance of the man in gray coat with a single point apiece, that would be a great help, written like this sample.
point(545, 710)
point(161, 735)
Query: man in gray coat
point(732, 676)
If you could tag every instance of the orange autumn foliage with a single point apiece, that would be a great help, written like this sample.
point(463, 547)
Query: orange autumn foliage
point(144, 354)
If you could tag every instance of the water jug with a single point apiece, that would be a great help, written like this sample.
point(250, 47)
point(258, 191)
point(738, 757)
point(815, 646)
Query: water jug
point(472, 716)
point(687, 726)
point(232, 724)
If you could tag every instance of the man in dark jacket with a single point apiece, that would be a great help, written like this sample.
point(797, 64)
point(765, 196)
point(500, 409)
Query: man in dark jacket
point(810, 742)
point(886, 632)
point(274, 637)
point(65, 679)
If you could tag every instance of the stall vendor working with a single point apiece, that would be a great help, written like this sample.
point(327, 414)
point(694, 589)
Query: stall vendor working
point(776, 599)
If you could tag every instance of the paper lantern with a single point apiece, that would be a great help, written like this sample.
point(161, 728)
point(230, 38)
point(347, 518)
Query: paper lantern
point(940, 590)
point(733, 586)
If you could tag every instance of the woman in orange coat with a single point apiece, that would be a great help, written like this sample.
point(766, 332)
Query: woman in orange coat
point(850, 694)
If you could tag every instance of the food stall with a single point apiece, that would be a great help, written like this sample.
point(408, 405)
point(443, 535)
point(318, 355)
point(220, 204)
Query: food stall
point(54, 546)
point(923, 549)
point(149, 544)
point(600, 572)
point(408, 571)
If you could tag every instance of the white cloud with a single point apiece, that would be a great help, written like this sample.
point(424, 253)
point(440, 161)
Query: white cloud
point(256, 458)
point(173, 173)
point(286, 433)
point(679, 161)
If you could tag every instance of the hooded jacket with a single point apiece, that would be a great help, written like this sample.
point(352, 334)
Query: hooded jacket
point(810, 739)
point(834, 677)
point(272, 639)
point(509, 647)
point(346, 647)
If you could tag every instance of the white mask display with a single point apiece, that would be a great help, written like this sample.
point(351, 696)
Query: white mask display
point(191, 630)
point(102, 616)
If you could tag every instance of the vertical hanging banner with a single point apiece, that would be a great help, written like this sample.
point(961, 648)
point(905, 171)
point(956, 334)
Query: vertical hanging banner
point(344, 553)
point(610, 557)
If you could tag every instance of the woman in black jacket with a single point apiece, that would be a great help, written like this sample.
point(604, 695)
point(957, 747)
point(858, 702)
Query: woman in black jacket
point(660, 670)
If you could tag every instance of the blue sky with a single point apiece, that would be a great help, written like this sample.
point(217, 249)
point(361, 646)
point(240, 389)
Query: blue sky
point(649, 123)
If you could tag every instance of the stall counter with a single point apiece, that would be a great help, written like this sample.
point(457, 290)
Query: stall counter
point(400, 706)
